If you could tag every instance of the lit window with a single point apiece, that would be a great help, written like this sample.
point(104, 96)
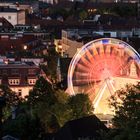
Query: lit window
point(19, 92)
point(14, 81)
point(31, 81)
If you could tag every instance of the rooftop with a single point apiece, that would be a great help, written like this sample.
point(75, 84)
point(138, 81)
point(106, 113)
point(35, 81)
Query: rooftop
point(17, 64)
point(7, 10)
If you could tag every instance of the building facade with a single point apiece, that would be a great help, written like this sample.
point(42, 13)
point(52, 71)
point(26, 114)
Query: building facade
point(69, 45)
point(19, 76)
point(73, 39)
point(14, 16)
point(50, 1)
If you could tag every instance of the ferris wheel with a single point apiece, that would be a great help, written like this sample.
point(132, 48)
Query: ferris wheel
point(100, 68)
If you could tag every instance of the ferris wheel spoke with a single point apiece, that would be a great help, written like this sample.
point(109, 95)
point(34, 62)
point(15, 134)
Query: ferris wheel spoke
point(126, 57)
point(80, 82)
point(84, 74)
point(85, 81)
point(85, 62)
point(91, 92)
point(89, 56)
point(94, 50)
point(81, 67)
point(101, 49)
point(87, 76)
point(107, 51)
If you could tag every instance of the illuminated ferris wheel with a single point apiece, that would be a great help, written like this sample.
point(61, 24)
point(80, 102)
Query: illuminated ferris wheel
point(100, 68)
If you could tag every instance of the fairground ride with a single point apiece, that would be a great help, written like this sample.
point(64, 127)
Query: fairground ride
point(102, 67)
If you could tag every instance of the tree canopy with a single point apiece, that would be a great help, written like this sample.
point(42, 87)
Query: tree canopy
point(127, 113)
point(45, 110)
point(54, 107)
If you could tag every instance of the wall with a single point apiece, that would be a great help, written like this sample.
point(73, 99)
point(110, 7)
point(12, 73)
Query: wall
point(11, 17)
point(112, 34)
point(70, 47)
point(25, 90)
point(21, 17)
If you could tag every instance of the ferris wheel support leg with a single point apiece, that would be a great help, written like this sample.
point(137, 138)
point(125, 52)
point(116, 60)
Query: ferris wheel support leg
point(110, 86)
point(99, 95)
point(114, 90)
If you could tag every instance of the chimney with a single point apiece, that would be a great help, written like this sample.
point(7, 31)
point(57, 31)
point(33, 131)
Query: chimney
point(17, 5)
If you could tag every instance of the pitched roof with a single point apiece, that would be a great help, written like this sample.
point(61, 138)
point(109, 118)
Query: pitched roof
point(5, 23)
point(84, 127)
point(8, 43)
point(7, 10)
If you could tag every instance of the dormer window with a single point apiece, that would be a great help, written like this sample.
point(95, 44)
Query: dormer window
point(31, 81)
point(14, 81)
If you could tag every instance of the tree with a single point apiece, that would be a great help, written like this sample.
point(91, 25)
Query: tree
point(8, 99)
point(127, 113)
point(83, 15)
point(23, 127)
point(80, 105)
point(124, 11)
point(11, 99)
point(49, 105)
point(41, 89)
point(59, 12)
point(54, 107)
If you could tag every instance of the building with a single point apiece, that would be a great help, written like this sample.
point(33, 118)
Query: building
point(50, 1)
point(5, 25)
point(9, 44)
point(69, 44)
point(73, 39)
point(14, 16)
point(28, 6)
point(9, 137)
point(77, 0)
point(19, 76)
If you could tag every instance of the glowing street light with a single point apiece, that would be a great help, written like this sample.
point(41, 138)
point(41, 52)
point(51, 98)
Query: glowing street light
point(25, 47)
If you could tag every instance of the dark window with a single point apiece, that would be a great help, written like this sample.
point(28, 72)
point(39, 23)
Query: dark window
point(4, 71)
point(15, 71)
point(9, 17)
point(31, 71)
point(107, 34)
